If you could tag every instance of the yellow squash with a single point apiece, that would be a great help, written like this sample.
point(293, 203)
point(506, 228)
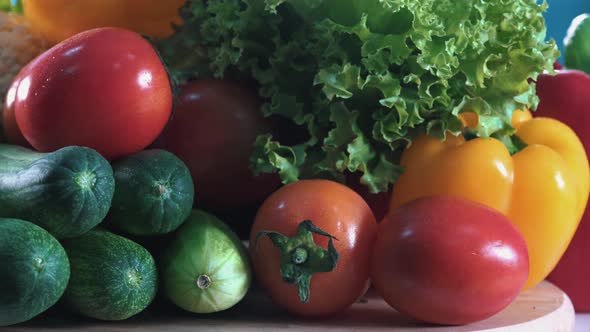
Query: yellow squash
point(543, 188)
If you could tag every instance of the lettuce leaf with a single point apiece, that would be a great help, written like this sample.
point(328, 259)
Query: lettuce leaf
point(366, 77)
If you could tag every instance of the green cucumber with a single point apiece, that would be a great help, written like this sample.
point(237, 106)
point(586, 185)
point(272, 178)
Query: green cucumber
point(577, 44)
point(34, 271)
point(154, 193)
point(67, 192)
point(112, 278)
point(206, 268)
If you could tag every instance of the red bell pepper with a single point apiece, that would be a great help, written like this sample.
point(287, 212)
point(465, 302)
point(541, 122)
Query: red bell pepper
point(566, 97)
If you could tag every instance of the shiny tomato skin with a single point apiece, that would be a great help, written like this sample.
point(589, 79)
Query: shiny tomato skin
point(447, 260)
point(213, 130)
point(337, 210)
point(10, 129)
point(104, 88)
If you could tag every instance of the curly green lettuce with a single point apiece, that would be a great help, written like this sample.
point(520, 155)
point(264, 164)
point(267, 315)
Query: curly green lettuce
point(364, 78)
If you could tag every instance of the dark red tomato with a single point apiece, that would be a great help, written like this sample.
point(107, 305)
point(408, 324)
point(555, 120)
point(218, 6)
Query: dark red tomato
point(213, 130)
point(282, 266)
point(379, 203)
point(104, 88)
point(447, 260)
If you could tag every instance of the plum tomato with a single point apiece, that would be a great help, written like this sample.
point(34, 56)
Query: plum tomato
point(213, 130)
point(448, 260)
point(310, 246)
point(105, 88)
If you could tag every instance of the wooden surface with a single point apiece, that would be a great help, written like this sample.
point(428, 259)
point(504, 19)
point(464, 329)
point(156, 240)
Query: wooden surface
point(545, 308)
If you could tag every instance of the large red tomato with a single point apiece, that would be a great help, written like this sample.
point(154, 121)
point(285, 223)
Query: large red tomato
point(213, 130)
point(104, 88)
point(290, 245)
point(448, 260)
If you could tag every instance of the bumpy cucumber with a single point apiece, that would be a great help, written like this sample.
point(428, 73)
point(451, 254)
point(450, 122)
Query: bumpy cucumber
point(112, 278)
point(154, 193)
point(67, 192)
point(34, 271)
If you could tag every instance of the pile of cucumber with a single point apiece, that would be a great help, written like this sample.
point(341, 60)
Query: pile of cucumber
point(65, 219)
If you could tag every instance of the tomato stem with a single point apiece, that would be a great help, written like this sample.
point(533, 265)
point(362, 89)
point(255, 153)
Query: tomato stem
point(301, 257)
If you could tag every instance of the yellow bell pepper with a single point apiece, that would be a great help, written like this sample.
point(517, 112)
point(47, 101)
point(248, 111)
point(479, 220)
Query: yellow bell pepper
point(543, 188)
point(57, 20)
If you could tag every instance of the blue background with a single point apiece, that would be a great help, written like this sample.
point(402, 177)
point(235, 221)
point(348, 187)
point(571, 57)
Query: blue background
point(559, 16)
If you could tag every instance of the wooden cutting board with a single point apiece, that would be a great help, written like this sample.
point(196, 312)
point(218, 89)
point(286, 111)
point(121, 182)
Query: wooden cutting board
point(544, 308)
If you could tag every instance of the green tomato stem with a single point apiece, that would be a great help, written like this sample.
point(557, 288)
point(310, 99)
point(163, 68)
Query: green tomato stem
point(301, 257)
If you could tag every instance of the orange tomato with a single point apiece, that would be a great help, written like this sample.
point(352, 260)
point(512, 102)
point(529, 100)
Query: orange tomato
point(293, 252)
point(57, 20)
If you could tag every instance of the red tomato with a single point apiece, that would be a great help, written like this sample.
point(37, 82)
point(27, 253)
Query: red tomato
point(12, 132)
point(448, 260)
point(334, 209)
point(104, 88)
point(379, 203)
point(213, 130)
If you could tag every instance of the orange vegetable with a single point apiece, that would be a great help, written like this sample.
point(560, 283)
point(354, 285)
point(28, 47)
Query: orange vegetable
point(57, 20)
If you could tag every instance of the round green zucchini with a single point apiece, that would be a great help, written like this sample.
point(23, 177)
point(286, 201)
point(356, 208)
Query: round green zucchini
point(154, 193)
point(67, 192)
point(112, 278)
point(34, 271)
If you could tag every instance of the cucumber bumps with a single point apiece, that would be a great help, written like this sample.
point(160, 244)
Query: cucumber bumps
point(112, 278)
